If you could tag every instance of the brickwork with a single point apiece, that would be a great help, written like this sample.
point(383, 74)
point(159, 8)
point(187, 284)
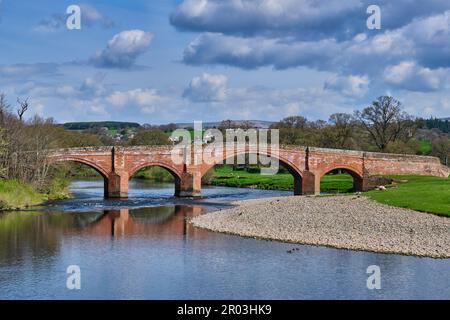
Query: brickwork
point(307, 165)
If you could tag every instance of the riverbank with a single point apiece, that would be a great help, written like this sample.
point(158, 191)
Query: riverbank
point(346, 222)
point(251, 178)
point(15, 195)
point(419, 193)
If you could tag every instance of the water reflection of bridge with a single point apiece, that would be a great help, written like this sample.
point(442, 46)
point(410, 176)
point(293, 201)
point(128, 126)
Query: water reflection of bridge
point(169, 220)
point(31, 234)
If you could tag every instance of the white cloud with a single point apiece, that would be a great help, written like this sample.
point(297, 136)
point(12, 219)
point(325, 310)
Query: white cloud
point(90, 108)
point(90, 88)
point(123, 49)
point(424, 40)
point(94, 85)
point(147, 100)
point(207, 87)
point(408, 75)
point(252, 53)
point(302, 19)
point(352, 86)
point(90, 16)
point(27, 70)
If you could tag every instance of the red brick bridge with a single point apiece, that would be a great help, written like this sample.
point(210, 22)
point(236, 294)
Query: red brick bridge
point(306, 164)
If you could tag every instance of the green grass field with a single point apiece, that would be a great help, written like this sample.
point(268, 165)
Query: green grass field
point(426, 194)
point(425, 147)
point(226, 176)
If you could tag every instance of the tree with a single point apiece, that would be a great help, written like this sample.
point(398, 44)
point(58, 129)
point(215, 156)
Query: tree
point(342, 129)
point(294, 122)
point(386, 122)
point(227, 124)
point(441, 149)
point(150, 137)
point(3, 152)
point(23, 107)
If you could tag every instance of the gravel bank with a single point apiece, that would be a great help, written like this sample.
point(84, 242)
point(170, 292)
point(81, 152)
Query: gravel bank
point(347, 222)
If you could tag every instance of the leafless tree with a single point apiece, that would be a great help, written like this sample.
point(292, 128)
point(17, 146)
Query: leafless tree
point(23, 107)
point(342, 127)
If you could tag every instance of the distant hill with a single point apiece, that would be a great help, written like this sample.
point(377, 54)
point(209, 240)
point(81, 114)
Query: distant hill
point(206, 125)
point(111, 125)
point(117, 125)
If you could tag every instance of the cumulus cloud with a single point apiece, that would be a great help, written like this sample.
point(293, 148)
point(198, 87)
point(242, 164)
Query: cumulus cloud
point(123, 49)
point(274, 104)
point(94, 85)
point(424, 40)
point(352, 86)
point(91, 87)
point(90, 16)
point(206, 88)
point(147, 100)
point(90, 108)
point(303, 19)
point(408, 75)
point(252, 53)
point(264, 17)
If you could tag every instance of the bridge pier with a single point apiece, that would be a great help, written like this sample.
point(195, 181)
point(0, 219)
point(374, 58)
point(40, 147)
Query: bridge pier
point(362, 184)
point(116, 185)
point(310, 183)
point(190, 185)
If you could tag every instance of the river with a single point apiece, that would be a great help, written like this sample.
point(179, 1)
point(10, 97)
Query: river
point(142, 248)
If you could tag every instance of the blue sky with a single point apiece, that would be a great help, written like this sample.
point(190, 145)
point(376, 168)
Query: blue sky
point(177, 61)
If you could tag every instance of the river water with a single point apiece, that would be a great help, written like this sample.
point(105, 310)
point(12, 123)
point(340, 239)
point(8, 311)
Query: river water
point(142, 248)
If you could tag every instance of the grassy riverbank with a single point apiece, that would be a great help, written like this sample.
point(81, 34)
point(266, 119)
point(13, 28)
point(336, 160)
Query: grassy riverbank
point(426, 194)
point(226, 176)
point(16, 195)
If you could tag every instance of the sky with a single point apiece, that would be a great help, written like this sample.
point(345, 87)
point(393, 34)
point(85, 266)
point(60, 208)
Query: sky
point(164, 61)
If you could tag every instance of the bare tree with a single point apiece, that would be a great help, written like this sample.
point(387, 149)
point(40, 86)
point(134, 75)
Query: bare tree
point(343, 125)
point(23, 107)
point(386, 122)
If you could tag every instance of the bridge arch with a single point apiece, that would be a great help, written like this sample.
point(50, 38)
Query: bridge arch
point(102, 171)
point(354, 172)
point(176, 174)
point(285, 163)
